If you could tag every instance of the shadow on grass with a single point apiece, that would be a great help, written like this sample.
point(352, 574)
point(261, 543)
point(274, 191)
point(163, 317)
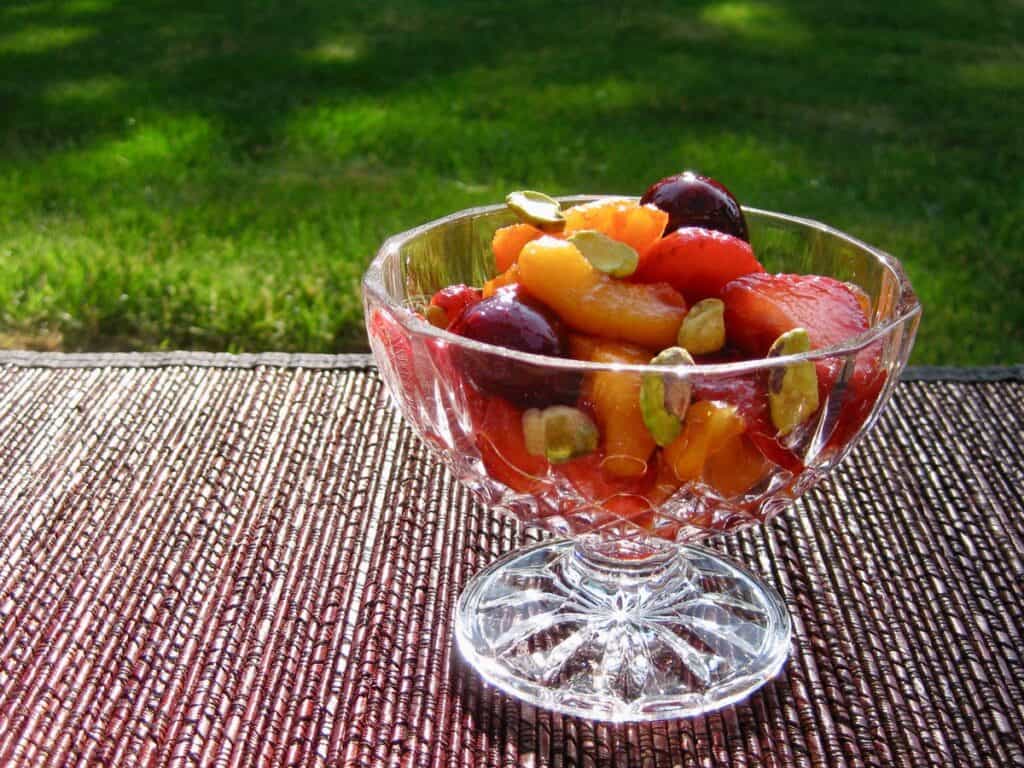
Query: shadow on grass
point(78, 70)
point(197, 140)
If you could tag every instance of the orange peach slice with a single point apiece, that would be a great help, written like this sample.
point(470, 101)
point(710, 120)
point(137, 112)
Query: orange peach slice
point(509, 241)
point(627, 444)
point(508, 277)
point(707, 428)
point(735, 468)
point(638, 226)
point(556, 273)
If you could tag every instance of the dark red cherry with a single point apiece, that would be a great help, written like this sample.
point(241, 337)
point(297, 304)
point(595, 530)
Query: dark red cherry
point(511, 319)
point(697, 201)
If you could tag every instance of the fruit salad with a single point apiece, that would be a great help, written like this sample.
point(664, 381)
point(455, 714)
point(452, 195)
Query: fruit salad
point(668, 282)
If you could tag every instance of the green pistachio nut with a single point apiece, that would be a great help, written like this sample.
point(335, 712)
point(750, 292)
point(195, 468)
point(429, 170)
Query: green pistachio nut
point(533, 431)
point(559, 433)
point(607, 255)
point(664, 399)
point(537, 209)
point(793, 389)
point(703, 328)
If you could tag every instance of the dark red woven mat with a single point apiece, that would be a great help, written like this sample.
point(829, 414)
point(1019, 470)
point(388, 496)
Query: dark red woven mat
point(258, 566)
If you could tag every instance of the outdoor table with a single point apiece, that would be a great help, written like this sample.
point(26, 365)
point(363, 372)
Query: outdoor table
point(250, 560)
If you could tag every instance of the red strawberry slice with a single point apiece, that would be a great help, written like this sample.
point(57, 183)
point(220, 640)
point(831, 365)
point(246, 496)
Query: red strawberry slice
point(607, 498)
point(760, 308)
point(864, 389)
point(498, 426)
point(697, 262)
point(454, 300)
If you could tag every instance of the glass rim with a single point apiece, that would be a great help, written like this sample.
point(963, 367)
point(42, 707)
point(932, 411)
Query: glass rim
point(906, 308)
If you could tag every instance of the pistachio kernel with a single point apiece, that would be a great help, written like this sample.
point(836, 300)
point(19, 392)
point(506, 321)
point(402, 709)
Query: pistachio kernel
point(559, 433)
point(537, 209)
point(792, 389)
point(533, 431)
point(703, 328)
point(664, 399)
point(436, 316)
point(605, 254)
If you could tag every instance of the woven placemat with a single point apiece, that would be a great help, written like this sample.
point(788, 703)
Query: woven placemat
point(257, 565)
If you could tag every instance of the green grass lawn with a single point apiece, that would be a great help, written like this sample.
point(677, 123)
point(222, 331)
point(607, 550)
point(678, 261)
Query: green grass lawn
point(216, 174)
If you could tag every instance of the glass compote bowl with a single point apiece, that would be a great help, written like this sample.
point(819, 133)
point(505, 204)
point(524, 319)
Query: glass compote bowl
point(622, 616)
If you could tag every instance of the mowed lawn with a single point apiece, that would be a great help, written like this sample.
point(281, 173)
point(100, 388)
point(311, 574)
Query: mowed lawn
point(216, 174)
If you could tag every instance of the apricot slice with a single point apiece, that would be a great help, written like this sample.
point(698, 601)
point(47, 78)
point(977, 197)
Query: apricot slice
point(638, 226)
point(509, 241)
point(706, 429)
point(508, 277)
point(582, 347)
point(626, 442)
point(735, 468)
point(556, 273)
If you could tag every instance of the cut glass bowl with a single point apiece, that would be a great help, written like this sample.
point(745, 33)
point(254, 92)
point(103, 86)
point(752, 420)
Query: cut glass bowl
point(622, 615)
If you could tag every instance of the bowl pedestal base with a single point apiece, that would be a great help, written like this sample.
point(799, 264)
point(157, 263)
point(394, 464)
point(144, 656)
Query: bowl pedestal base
point(568, 628)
